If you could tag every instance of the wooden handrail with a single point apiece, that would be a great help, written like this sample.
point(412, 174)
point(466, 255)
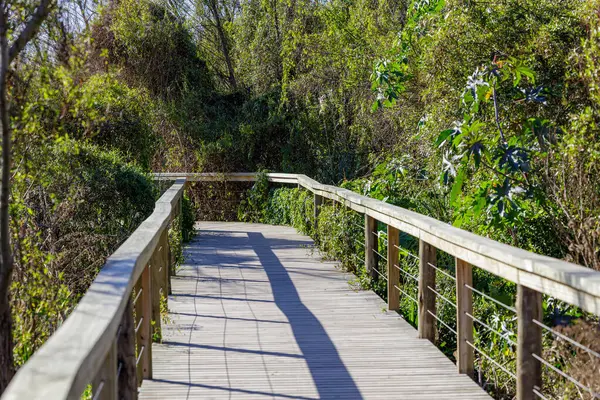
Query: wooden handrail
point(84, 348)
point(566, 281)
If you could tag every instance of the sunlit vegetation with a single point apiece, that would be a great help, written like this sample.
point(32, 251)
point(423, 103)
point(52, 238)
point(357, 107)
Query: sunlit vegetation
point(480, 114)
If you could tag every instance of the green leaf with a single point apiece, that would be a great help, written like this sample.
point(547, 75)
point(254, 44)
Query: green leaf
point(457, 186)
point(523, 70)
point(375, 106)
point(443, 136)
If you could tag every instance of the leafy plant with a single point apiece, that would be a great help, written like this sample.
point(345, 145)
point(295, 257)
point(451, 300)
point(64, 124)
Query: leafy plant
point(481, 140)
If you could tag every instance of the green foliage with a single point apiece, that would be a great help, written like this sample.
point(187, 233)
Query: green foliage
point(37, 311)
point(182, 228)
point(67, 217)
point(115, 116)
point(388, 81)
point(479, 140)
point(253, 207)
point(153, 46)
point(293, 207)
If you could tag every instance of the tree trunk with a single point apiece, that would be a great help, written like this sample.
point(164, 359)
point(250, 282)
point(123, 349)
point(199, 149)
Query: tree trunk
point(224, 44)
point(6, 260)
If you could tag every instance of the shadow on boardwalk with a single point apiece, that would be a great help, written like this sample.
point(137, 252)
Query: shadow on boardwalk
point(329, 374)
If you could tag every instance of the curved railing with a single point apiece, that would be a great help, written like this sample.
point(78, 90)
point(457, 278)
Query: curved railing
point(95, 344)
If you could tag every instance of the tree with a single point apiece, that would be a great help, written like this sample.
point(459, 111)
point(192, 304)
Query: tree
point(213, 16)
point(27, 30)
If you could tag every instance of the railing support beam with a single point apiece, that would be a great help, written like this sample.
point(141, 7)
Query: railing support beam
point(126, 356)
point(317, 210)
point(143, 310)
point(370, 245)
point(156, 269)
point(104, 386)
point(529, 342)
point(393, 295)
point(464, 305)
point(427, 255)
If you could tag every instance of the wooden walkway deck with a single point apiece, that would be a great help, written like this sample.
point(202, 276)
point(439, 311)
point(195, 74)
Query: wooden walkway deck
point(256, 314)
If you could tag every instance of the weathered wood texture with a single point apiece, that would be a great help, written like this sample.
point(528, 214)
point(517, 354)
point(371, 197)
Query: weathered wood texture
point(127, 378)
point(427, 323)
point(144, 334)
point(393, 273)
point(257, 315)
point(464, 308)
point(104, 386)
point(318, 200)
point(370, 246)
point(529, 341)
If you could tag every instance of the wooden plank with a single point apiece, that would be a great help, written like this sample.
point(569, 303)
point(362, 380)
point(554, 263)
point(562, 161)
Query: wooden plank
point(427, 323)
point(256, 316)
point(529, 342)
point(155, 269)
point(104, 386)
point(138, 322)
point(166, 267)
point(127, 386)
point(226, 177)
point(393, 273)
point(370, 246)
point(464, 306)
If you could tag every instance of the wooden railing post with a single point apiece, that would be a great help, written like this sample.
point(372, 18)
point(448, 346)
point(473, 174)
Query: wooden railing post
point(370, 245)
point(464, 323)
point(104, 386)
point(143, 308)
point(529, 342)
point(126, 356)
point(393, 273)
point(184, 235)
point(427, 255)
point(166, 266)
point(317, 209)
point(156, 265)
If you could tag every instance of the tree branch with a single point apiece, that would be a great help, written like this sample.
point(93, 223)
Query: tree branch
point(497, 116)
point(31, 29)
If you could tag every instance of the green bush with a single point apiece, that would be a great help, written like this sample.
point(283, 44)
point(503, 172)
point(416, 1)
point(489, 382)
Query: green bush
point(153, 46)
point(115, 116)
point(253, 207)
point(293, 207)
point(67, 218)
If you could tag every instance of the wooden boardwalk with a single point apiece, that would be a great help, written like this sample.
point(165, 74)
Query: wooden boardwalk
point(255, 314)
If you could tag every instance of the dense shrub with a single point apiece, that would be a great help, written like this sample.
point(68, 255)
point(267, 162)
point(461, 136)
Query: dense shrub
point(115, 116)
point(67, 218)
point(153, 46)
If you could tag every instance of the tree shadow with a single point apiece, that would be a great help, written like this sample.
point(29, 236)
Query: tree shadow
point(329, 374)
